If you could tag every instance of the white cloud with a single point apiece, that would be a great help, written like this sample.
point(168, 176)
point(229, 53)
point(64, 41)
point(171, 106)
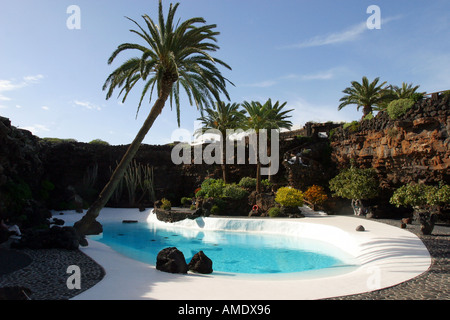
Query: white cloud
point(88, 105)
point(262, 84)
point(45, 108)
point(8, 85)
point(36, 78)
point(350, 34)
point(325, 75)
point(36, 128)
point(305, 111)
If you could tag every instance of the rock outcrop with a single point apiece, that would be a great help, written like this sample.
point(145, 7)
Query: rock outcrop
point(200, 263)
point(415, 147)
point(171, 260)
point(23, 188)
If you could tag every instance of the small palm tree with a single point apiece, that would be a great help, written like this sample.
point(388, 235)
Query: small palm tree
point(365, 94)
point(406, 91)
point(265, 116)
point(221, 117)
point(173, 57)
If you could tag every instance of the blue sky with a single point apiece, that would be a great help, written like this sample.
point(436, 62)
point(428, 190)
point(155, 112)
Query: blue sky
point(301, 52)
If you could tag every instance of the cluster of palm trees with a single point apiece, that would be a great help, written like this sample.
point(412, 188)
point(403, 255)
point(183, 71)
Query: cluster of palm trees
point(254, 116)
point(372, 96)
point(176, 55)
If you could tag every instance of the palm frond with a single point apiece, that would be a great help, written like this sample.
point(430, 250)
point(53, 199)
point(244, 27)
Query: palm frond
point(178, 54)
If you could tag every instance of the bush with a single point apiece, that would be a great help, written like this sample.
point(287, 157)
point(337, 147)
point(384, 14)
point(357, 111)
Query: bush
point(316, 195)
point(186, 201)
point(266, 183)
point(274, 212)
point(58, 140)
point(351, 126)
point(368, 116)
point(289, 197)
point(234, 192)
point(441, 196)
point(398, 108)
point(418, 195)
point(215, 210)
point(166, 204)
point(355, 183)
point(211, 188)
point(99, 142)
point(247, 182)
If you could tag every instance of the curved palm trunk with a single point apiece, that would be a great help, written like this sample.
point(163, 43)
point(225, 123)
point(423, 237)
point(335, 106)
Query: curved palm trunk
point(94, 210)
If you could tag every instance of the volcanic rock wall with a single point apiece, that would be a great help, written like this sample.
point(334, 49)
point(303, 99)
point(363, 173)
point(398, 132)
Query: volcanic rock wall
point(22, 190)
point(415, 147)
point(35, 174)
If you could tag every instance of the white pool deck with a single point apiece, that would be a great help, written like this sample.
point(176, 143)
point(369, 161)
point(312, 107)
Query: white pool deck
point(387, 256)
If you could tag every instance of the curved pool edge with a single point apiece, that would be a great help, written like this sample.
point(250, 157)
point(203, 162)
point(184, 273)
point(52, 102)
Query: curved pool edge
point(388, 256)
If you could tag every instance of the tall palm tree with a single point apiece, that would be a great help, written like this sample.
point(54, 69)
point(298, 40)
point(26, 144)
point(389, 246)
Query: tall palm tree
point(364, 94)
point(265, 116)
point(173, 56)
point(221, 117)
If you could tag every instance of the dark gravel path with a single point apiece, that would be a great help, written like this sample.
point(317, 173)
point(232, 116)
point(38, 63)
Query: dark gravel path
point(431, 285)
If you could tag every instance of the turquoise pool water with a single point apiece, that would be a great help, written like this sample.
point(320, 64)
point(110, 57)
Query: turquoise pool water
point(231, 252)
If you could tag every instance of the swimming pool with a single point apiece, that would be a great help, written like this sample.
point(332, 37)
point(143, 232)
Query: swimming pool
point(236, 252)
point(385, 256)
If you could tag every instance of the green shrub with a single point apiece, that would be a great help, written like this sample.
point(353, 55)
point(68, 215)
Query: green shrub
point(332, 132)
point(247, 182)
point(234, 192)
point(274, 212)
point(215, 210)
point(99, 142)
point(186, 201)
point(166, 204)
point(266, 183)
point(418, 195)
point(221, 203)
point(398, 108)
point(351, 126)
point(289, 197)
point(58, 140)
point(369, 116)
point(211, 188)
point(201, 193)
point(441, 196)
point(354, 183)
